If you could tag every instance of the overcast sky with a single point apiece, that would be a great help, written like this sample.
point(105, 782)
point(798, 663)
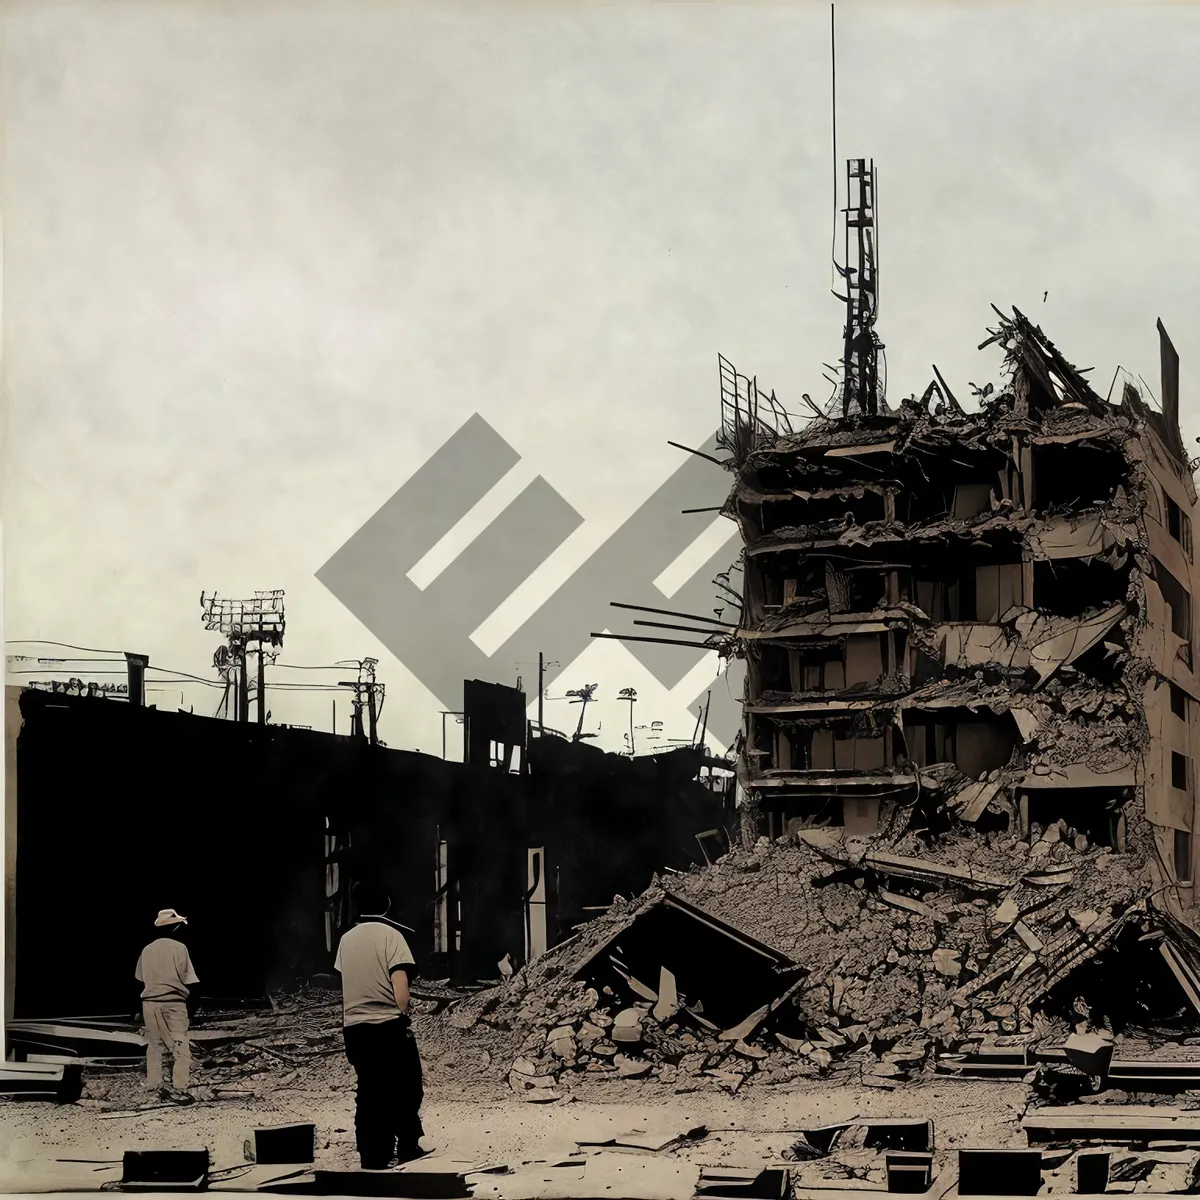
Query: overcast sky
point(260, 261)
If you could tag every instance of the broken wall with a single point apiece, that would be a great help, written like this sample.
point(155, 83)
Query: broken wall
point(1170, 580)
point(1021, 612)
point(122, 811)
point(233, 822)
point(612, 821)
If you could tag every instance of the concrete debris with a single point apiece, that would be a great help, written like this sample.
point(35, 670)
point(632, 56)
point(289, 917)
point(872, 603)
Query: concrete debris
point(958, 621)
point(632, 1068)
point(59, 1083)
point(874, 955)
point(1090, 1053)
point(667, 1004)
point(627, 1026)
point(1117, 1123)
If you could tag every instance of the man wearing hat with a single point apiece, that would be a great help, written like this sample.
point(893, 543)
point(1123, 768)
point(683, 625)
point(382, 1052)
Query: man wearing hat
point(375, 962)
point(166, 974)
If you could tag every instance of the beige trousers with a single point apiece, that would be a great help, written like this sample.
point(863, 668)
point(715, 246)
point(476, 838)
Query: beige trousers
point(167, 1030)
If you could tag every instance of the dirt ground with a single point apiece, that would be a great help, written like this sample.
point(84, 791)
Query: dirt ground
point(472, 1118)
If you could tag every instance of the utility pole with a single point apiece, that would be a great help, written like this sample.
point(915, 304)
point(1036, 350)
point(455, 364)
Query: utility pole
point(541, 690)
point(262, 678)
point(243, 700)
point(860, 375)
point(260, 620)
point(629, 694)
point(367, 693)
point(372, 716)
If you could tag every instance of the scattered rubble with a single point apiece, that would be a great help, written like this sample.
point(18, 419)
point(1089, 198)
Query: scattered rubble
point(878, 956)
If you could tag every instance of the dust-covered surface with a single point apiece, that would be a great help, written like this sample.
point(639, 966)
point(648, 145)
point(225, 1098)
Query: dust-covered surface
point(470, 1124)
point(901, 962)
point(288, 1066)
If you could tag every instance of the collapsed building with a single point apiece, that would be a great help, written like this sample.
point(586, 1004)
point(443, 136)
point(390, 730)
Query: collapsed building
point(986, 615)
point(975, 619)
point(967, 766)
point(967, 770)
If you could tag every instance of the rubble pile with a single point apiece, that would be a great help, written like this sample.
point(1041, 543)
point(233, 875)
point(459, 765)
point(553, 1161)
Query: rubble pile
point(902, 948)
point(926, 941)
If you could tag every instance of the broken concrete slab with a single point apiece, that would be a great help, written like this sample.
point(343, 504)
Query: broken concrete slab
point(1120, 1123)
point(627, 1027)
point(632, 1068)
point(58, 1083)
point(1090, 1053)
point(164, 1170)
point(667, 1005)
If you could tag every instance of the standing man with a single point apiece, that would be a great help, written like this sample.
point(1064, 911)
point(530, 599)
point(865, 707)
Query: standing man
point(166, 974)
point(375, 964)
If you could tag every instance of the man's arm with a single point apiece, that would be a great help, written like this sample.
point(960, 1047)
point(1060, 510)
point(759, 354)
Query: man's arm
point(400, 987)
point(400, 963)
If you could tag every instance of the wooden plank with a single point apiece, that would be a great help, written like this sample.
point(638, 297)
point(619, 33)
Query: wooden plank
point(921, 867)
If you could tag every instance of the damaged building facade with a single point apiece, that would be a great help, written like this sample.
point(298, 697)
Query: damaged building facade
point(975, 619)
point(496, 857)
point(987, 615)
point(967, 768)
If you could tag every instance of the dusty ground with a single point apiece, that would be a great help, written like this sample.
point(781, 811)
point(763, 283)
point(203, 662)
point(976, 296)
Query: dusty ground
point(472, 1118)
point(285, 1066)
point(747, 1130)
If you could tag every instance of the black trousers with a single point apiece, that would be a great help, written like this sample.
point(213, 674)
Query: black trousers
point(387, 1112)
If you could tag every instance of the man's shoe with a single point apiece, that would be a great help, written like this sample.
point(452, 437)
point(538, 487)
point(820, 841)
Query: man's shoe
point(164, 1093)
point(183, 1098)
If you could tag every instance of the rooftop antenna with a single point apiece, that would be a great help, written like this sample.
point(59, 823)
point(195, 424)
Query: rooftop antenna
point(860, 361)
point(860, 358)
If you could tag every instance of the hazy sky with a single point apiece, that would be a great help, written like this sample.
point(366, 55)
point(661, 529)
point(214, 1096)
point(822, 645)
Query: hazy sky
point(261, 260)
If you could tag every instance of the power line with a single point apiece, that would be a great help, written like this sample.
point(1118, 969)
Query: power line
point(186, 675)
point(184, 678)
point(304, 687)
point(64, 645)
point(43, 670)
point(51, 661)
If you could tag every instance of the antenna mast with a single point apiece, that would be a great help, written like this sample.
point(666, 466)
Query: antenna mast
point(860, 363)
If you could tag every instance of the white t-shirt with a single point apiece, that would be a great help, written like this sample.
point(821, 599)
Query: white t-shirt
point(367, 956)
point(165, 969)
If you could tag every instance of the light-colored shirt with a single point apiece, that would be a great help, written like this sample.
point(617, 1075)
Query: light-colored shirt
point(367, 957)
point(165, 971)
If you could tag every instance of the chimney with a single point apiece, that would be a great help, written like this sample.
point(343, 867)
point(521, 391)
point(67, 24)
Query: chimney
point(1170, 388)
point(135, 666)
